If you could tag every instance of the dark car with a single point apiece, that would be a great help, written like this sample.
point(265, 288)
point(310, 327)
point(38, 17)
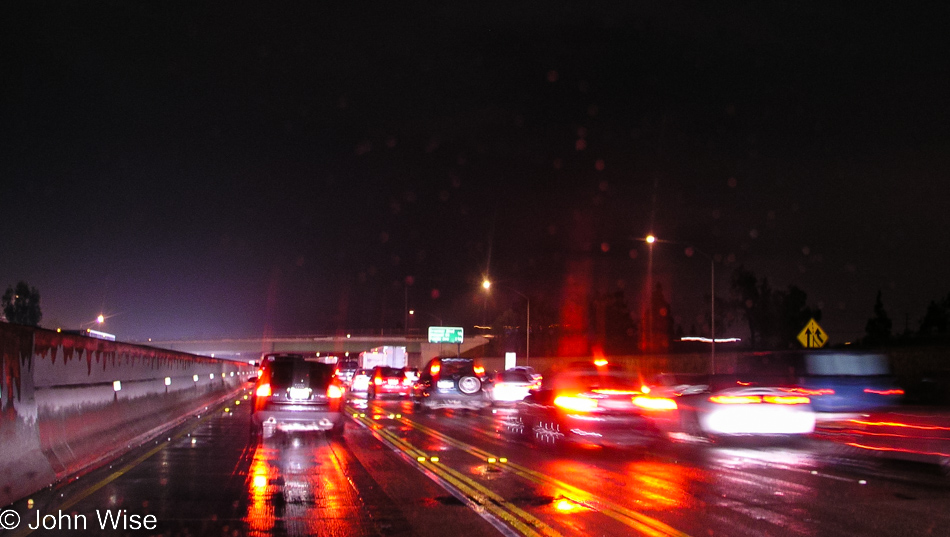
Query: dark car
point(297, 393)
point(388, 382)
point(588, 403)
point(451, 383)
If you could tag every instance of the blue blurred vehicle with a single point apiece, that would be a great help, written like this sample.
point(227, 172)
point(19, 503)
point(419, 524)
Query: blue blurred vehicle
point(849, 382)
point(837, 382)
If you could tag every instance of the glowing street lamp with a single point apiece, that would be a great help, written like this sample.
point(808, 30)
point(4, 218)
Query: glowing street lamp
point(101, 319)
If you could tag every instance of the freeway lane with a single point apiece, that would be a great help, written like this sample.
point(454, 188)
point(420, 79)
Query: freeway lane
point(802, 488)
point(400, 473)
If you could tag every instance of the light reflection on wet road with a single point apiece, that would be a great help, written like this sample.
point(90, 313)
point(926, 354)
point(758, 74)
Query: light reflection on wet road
point(386, 477)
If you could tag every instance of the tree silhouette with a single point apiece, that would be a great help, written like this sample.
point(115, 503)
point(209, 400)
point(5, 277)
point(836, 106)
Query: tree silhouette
point(936, 321)
point(878, 328)
point(746, 294)
point(774, 317)
point(21, 305)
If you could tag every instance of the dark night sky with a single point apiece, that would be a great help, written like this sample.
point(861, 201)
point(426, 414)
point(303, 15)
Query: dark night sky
point(208, 170)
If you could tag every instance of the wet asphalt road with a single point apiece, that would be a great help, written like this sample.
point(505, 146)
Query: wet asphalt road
point(460, 473)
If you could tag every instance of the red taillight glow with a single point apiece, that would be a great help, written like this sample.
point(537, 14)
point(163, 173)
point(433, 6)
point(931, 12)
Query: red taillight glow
point(378, 381)
point(786, 399)
point(435, 369)
point(479, 370)
point(605, 391)
point(263, 390)
point(601, 362)
point(655, 403)
point(578, 404)
point(334, 392)
point(805, 391)
point(884, 392)
point(735, 399)
point(754, 399)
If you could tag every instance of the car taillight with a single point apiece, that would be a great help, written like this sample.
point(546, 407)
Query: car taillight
point(378, 381)
point(334, 392)
point(263, 390)
point(407, 381)
point(884, 392)
point(806, 391)
point(579, 404)
point(655, 403)
point(753, 399)
point(786, 399)
point(479, 370)
point(735, 399)
point(434, 369)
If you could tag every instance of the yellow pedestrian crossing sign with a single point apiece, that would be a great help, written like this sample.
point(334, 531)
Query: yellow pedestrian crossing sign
point(813, 336)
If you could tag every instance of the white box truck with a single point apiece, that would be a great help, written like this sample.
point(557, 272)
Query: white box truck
point(383, 356)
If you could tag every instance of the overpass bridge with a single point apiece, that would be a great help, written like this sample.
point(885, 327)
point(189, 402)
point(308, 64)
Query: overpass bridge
point(418, 349)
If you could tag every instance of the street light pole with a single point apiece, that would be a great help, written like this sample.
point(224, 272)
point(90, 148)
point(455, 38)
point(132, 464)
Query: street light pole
point(527, 344)
point(650, 239)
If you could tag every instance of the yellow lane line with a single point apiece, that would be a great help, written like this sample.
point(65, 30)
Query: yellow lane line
point(634, 519)
point(481, 495)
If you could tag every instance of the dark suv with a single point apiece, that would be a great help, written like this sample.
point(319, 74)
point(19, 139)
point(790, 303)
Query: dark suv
point(451, 383)
point(297, 393)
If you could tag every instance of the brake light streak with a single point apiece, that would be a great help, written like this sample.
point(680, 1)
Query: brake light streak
point(898, 424)
point(735, 399)
point(756, 399)
point(897, 391)
point(576, 403)
point(655, 403)
point(898, 450)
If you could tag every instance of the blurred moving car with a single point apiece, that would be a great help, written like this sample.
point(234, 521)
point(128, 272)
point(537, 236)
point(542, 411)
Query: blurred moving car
point(725, 405)
point(529, 370)
point(345, 370)
point(360, 381)
point(451, 383)
point(840, 382)
point(510, 386)
point(587, 402)
point(388, 381)
point(297, 393)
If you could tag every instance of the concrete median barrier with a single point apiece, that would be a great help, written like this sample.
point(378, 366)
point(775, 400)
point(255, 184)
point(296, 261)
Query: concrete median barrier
point(69, 402)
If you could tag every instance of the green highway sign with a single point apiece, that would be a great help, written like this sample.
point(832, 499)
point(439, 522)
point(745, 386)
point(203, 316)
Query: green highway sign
point(445, 334)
